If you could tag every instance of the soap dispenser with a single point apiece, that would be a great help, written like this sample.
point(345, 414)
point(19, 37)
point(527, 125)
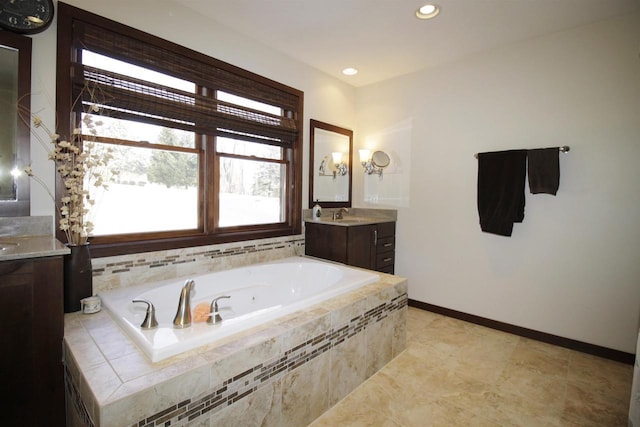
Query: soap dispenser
point(317, 211)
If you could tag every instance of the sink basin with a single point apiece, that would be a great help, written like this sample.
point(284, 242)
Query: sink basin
point(351, 220)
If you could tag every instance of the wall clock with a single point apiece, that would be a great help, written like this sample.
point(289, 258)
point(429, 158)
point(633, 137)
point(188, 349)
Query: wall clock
point(26, 16)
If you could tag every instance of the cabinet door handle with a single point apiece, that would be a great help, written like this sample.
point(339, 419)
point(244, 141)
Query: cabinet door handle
point(386, 245)
point(375, 237)
point(388, 259)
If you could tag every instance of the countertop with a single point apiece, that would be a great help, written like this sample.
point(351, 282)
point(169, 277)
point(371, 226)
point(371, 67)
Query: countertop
point(349, 221)
point(23, 247)
point(353, 216)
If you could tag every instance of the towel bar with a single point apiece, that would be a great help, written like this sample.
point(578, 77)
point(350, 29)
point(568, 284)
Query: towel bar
point(564, 149)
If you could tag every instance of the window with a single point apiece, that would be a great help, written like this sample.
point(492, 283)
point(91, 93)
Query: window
point(207, 152)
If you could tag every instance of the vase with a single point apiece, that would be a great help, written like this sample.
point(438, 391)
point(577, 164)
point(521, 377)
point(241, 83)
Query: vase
point(78, 277)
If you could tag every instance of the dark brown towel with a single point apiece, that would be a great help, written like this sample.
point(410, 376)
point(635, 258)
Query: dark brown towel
point(544, 170)
point(501, 178)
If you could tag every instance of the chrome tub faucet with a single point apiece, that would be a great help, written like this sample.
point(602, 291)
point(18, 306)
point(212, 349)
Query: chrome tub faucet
point(183, 315)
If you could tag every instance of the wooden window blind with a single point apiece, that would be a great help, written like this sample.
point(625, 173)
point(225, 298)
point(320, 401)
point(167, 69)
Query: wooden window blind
point(166, 106)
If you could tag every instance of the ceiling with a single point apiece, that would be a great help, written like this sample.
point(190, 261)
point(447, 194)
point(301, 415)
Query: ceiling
point(384, 39)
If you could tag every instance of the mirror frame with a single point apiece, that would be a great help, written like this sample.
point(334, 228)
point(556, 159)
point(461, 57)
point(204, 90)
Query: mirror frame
point(315, 124)
point(20, 206)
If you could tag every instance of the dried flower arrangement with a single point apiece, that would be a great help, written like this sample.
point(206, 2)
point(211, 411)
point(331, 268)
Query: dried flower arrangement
point(80, 163)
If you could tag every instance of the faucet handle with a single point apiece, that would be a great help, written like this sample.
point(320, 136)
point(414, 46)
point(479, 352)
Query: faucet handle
point(214, 316)
point(149, 321)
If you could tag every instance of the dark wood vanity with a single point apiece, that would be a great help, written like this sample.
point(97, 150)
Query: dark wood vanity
point(362, 237)
point(31, 330)
point(370, 245)
point(31, 265)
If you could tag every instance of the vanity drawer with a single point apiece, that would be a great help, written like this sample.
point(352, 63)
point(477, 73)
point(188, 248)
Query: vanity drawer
point(388, 269)
point(386, 244)
point(386, 229)
point(385, 259)
point(385, 250)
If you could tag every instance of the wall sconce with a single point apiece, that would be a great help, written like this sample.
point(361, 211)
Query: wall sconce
point(340, 166)
point(374, 163)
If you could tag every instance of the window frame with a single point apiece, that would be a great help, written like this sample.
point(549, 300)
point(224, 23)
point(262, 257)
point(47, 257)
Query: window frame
point(208, 231)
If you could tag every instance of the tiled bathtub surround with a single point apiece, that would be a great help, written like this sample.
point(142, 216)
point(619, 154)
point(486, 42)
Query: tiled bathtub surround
point(284, 373)
point(127, 270)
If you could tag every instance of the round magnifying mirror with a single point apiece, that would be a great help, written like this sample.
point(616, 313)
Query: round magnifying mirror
point(380, 159)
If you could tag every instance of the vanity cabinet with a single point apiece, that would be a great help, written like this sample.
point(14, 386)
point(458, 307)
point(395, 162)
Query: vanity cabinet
point(370, 246)
point(31, 333)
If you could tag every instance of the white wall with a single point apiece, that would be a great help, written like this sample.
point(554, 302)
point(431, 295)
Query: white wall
point(572, 268)
point(326, 99)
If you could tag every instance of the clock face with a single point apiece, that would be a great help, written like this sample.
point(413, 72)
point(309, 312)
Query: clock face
point(26, 16)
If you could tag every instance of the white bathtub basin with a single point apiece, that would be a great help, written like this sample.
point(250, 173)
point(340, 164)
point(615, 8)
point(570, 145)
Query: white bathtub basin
point(259, 293)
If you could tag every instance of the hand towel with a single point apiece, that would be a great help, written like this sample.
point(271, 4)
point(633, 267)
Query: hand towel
point(501, 180)
point(544, 170)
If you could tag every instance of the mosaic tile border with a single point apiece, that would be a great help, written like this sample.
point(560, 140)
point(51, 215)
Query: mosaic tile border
point(246, 383)
point(74, 396)
point(189, 255)
point(128, 270)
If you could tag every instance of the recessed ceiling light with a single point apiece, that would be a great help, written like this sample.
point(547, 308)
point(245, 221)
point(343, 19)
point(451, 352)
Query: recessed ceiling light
point(428, 11)
point(350, 71)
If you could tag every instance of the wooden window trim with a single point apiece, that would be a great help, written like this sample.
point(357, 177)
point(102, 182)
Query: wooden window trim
point(208, 233)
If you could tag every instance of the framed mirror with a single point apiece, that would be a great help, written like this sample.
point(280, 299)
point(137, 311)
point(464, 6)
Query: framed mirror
point(330, 165)
point(15, 87)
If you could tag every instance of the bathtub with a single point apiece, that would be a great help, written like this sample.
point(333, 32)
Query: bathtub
point(258, 293)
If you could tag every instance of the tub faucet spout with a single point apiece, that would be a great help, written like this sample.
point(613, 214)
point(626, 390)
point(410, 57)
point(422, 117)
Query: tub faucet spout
point(183, 315)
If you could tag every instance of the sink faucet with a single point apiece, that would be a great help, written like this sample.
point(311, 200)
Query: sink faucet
point(338, 213)
point(183, 315)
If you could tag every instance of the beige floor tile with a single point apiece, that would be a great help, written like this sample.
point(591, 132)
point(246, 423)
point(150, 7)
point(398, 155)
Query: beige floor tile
point(602, 375)
point(454, 373)
point(594, 407)
point(542, 358)
point(534, 386)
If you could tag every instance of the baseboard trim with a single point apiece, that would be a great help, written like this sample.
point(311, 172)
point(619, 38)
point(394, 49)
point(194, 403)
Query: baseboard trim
point(596, 350)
